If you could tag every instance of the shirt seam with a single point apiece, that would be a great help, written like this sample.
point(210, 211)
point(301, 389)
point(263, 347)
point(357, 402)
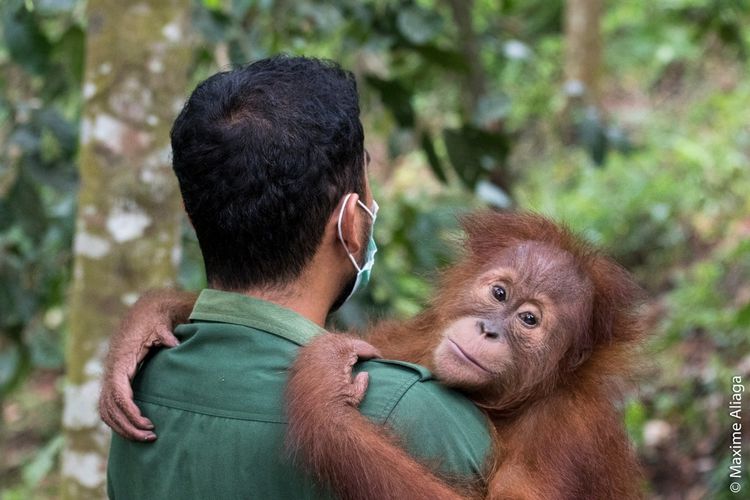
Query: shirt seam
point(396, 399)
point(254, 323)
point(253, 312)
point(212, 412)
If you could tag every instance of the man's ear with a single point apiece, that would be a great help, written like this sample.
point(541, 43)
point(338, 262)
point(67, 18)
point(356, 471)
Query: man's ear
point(350, 218)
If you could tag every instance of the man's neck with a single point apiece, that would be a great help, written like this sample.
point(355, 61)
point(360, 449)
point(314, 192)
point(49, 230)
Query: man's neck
point(305, 301)
point(313, 293)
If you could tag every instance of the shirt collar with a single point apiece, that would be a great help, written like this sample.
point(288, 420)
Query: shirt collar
point(235, 308)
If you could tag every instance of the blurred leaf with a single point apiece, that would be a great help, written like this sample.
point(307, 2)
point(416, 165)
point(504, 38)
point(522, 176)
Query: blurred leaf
point(432, 158)
point(743, 316)
point(212, 4)
point(68, 53)
point(13, 365)
point(440, 57)
point(635, 418)
point(53, 7)
point(9, 363)
point(44, 345)
point(419, 25)
point(17, 303)
point(24, 39)
point(214, 25)
point(43, 462)
point(326, 18)
point(491, 109)
point(493, 195)
point(239, 9)
point(64, 131)
point(395, 97)
point(592, 135)
point(473, 152)
point(27, 208)
point(25, 138)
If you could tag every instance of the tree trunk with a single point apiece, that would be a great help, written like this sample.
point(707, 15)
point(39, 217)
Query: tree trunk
point(476, 78)
point(583, 52)
point(129, 212)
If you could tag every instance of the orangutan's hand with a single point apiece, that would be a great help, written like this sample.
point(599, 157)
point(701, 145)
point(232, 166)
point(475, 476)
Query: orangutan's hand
point(148, 324)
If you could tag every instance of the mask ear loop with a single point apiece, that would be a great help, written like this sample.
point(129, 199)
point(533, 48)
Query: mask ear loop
point(372, 212)
point(341, 235)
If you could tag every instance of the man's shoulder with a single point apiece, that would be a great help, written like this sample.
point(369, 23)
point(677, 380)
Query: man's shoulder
point(389, 381)
point(409, 387)
point(434, 422)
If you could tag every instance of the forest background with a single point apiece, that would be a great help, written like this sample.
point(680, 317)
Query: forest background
point(628, 120)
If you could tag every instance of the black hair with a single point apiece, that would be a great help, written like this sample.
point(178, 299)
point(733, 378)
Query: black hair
point(263, 153)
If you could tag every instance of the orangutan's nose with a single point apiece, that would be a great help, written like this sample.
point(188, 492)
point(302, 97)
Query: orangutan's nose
point(487, 332)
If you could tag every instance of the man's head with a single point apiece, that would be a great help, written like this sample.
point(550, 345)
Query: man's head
point(263, 155)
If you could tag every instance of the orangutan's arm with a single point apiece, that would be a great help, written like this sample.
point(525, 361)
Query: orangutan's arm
point(333, 441)
point(148, 324)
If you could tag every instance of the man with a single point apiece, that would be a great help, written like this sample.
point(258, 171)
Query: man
point(272, 170)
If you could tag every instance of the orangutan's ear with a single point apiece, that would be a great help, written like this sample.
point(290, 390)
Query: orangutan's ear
point(617, 297)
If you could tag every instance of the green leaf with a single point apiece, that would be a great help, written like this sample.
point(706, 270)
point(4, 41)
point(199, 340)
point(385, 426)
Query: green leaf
point(9, 362)
point(54, 7)
point(43, 462)
point(69, 54)
point(213, 24)
point(13, 365)
point(24, 39)
point(493, 195)
point(473, 152)
point(27, 208)
point(64, 131)
point(491, 109)
point(635, 419)
point(396, 98)
point(592, 134)
point(440, 57)
point(215, 5)
point(44, 346)
point(326, 18)
point(239, 7)
point(419, 25)
point(743, 316)
point(432, 158)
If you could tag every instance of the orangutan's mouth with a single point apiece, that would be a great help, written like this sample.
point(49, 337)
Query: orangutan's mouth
point(460, 353)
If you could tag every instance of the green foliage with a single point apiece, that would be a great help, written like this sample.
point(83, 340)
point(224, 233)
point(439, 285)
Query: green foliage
point(707, 302)
point(635, 419)
point(402, 49)
point(42, 463)
point(648, 207)
point(38, 178)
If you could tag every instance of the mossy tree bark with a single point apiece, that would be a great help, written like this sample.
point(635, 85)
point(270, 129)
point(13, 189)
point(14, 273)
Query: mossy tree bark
point(127, 234)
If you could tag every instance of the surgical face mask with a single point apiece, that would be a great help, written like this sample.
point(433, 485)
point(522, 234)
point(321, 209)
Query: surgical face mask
point(363, 272)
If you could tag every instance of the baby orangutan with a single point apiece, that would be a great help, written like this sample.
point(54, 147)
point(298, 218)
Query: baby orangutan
point(537, 328)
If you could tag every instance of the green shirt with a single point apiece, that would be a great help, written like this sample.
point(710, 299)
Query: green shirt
point(217, 403)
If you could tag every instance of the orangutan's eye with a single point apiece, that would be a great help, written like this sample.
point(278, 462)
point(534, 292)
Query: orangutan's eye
point(528, 318)
point(499, 293)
